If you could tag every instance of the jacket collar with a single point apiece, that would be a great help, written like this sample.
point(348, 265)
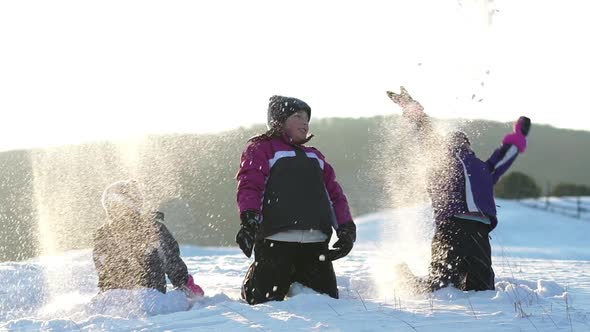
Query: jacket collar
point(463, 152)
point(287, 139)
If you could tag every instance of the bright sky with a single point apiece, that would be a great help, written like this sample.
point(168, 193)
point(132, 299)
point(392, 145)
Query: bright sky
point(73, 71)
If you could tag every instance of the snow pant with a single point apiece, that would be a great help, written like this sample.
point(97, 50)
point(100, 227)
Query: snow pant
point(462, 256)
point(278, 264)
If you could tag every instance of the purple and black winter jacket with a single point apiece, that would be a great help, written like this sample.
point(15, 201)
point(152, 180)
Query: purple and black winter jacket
point(291, 186)
point(468, 186)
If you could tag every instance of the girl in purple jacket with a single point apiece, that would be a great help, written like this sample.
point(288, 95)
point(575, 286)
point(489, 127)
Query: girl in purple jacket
point(289, 201)
point(462, 195)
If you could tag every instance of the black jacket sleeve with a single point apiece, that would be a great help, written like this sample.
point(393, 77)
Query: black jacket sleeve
point(174, 267)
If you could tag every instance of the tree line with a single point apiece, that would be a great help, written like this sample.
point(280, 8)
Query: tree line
point(50, 198)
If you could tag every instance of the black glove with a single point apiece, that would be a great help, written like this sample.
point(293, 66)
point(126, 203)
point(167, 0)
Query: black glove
point(524, 124)
point(346, 236)
point(247, 233)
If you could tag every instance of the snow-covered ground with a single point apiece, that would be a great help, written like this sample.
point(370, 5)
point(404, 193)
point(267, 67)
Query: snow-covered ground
point(542, 264)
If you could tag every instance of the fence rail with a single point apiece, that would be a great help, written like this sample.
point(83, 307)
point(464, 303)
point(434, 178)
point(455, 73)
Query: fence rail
point(575, 207)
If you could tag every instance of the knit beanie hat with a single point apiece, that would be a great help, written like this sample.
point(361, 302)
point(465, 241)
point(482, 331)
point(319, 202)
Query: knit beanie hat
point(280, 108)
point(457, 139)
point(122, 194)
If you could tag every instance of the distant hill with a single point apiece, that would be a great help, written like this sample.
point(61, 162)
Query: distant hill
point(54, 194)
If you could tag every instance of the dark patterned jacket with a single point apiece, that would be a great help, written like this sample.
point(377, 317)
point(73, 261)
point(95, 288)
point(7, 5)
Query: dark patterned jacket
point(137, 252)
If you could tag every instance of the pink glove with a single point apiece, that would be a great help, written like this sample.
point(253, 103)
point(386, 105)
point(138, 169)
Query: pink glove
point(194, 288)
point(518, 137)
point(406, 102)
point(412, 110)
point(522, 125)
